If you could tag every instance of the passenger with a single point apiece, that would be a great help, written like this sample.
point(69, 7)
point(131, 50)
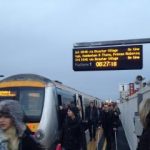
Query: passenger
point(62, 113)
point(144, 143)
point(108, 126)
point(14, 134)
point(100, 113)
point(116, 113)
point(91, 115)
point(76, 107)
point(72, 130)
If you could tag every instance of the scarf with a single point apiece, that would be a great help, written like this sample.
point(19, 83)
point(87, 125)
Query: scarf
point(12, 138)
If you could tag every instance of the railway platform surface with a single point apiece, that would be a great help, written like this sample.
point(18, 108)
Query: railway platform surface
point(122, 143)
point(100, 143)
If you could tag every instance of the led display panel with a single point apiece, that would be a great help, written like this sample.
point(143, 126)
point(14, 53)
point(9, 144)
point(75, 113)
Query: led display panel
point(108, 58)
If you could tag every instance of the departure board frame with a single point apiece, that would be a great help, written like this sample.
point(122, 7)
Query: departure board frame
point(128, 57)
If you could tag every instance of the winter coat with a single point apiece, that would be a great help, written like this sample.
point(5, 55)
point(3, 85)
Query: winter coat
point(116, 120)
point(108, 123)
point(144, 143)
point(3, 141)
point(27, 142)
point(72, 134)
point(94, 114)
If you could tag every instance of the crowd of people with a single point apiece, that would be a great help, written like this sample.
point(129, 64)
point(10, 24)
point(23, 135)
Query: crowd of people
point(14, 135)
point(105, 116)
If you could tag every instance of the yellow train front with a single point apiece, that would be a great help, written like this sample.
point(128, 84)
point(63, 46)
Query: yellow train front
point(40, 98)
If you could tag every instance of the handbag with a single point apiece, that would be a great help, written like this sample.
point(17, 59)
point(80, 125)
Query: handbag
point(59, 147)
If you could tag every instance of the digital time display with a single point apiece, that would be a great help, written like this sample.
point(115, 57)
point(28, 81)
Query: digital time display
point(5, 93)
point(108, 58)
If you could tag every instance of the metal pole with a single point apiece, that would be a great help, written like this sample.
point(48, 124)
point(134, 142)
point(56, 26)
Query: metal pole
point(98, 138)
point(109, 43)
point(116, 141)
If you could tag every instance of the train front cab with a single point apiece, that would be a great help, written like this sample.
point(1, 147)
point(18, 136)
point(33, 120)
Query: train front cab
point(41, 104)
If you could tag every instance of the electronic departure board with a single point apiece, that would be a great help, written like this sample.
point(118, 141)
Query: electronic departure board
point(108, 58)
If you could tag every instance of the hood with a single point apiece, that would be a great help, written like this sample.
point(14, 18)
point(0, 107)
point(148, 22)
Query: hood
point(14, 110)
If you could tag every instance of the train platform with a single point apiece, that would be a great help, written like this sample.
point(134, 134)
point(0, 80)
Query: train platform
point(100, 143)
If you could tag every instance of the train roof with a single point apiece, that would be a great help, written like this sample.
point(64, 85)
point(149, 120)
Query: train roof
point(60, 85)
point(46, 81)
point(29, 77)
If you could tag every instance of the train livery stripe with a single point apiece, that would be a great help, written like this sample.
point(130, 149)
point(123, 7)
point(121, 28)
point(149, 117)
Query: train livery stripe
point(22, 84)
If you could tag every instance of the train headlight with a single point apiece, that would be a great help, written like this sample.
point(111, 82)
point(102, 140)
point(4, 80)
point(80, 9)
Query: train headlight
point(39, 134)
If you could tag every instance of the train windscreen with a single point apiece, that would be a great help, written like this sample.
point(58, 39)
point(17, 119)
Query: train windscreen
point(30, 98)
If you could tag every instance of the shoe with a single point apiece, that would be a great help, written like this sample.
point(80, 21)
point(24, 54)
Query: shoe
point(94, 139)
point(90, 139)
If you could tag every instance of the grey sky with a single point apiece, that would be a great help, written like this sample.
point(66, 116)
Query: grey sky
point(38, 37)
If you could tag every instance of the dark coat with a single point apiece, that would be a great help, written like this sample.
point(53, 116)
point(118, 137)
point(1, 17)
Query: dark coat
point(27, 142)
point(144, 143)
point(94, 114)
point(115, 119)
point(108, 123)
point(72, 134)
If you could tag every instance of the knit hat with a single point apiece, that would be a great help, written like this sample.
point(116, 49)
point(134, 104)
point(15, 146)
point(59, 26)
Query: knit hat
point(12, 109)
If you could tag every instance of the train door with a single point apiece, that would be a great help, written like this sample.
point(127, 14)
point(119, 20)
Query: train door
point(59, 100)
point(64, 101)
point(60, 122)
point(84, 124)
point(80, 105)
point(74, 100)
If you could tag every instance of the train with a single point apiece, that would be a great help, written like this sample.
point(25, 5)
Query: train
point(41, 99)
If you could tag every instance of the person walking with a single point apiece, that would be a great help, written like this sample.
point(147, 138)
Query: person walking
point(91, 115)
point(144, 142)
point(72, 130)
point(109, 126)
point(14, 135)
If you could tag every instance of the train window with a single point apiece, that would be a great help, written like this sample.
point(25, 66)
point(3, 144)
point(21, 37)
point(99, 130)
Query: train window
point(59, 100)
point(32, 100)
point(67, 100)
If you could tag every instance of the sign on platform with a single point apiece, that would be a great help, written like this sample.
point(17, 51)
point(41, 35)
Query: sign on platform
point(108, 58)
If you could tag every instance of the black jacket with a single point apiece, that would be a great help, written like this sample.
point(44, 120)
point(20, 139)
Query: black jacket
point(72, 134)
point(144, 143)
point(108, 121)
point(94, 114)
point(27, 142)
